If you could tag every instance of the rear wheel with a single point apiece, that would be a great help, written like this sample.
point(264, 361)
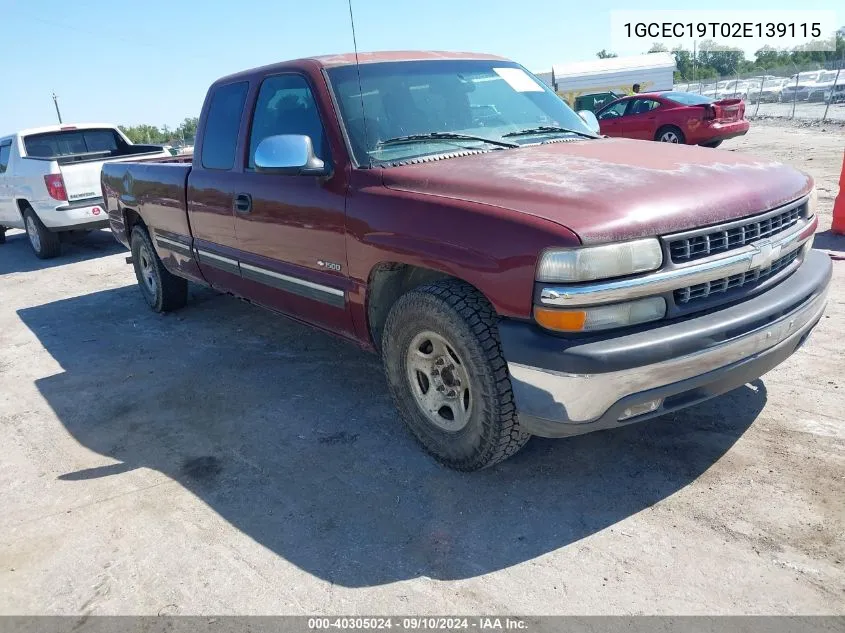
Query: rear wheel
point(45, 244)
point(712, 144)
point(670, 134)
point(162, 290)
point(448, 376)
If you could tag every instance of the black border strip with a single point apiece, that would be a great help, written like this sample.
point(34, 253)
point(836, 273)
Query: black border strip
point(226, 264)
point(288, 284)
point(172, 245)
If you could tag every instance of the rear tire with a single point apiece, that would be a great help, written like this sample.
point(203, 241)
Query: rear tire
point(45, 244)
point(712, 144)
point(448, 376)
point(162, 290)
point(670, 134)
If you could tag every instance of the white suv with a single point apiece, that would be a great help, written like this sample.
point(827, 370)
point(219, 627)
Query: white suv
point(50, 180)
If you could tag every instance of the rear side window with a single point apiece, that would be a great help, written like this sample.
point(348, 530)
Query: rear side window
point(285, 105)
point(72, 143)
point(5, 150)
point(221, 126)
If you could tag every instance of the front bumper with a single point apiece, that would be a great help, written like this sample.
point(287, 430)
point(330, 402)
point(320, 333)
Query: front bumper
point(568, 387)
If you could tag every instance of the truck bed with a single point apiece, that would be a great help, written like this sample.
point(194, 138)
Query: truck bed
point(156, 188)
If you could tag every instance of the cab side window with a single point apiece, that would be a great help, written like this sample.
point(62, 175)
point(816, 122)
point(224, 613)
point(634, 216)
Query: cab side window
point(221, 127)
point(5, 150)
point(614, 111)
point(642, 106)
point(286, 105)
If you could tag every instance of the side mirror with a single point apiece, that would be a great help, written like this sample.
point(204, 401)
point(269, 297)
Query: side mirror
point(291, 154)
point(590, 119)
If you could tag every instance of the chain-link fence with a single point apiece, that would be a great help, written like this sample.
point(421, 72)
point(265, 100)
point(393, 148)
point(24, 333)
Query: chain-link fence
point(792, 92)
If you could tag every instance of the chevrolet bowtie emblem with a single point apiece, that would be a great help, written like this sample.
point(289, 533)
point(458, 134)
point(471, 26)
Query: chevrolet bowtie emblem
point(766, 253)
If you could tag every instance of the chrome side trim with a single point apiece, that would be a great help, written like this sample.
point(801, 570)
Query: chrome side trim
point(219, 258)
point(168, 243)
point(756, 255)
point(294, 280)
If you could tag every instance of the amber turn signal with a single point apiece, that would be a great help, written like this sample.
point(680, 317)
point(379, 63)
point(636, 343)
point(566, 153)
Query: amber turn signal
point(561, 320)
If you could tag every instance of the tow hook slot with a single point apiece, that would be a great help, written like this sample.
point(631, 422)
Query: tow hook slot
point(129, 259)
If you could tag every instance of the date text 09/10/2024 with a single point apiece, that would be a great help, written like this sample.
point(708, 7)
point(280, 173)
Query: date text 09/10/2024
point(415, 623)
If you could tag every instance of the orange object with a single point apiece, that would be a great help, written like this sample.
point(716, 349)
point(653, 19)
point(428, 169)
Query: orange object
point(839, 206)
point(561, 320)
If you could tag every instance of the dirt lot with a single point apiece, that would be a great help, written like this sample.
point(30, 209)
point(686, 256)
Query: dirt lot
point(224, 460)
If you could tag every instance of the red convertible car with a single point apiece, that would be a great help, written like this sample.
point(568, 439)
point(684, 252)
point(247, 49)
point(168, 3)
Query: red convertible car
point(674, 117)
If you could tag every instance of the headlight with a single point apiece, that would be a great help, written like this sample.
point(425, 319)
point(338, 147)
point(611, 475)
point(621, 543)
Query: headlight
point(601, 317)
point(600, 262)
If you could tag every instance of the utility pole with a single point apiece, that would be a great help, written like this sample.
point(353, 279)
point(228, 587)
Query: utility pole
point(56, 103)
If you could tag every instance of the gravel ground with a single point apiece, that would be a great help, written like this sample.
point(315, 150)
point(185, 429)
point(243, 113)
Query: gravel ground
point(224, 460)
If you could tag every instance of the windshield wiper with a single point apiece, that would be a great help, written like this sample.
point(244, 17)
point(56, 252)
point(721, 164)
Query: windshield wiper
point(443, 136)
point(545, 129)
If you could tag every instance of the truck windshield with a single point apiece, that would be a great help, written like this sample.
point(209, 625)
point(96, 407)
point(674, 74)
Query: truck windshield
point(433, 106)
point(72, 143)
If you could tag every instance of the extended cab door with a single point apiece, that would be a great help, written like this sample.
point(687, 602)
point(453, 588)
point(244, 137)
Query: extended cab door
point(212, 183)
point(612, 118)
point(291, 228)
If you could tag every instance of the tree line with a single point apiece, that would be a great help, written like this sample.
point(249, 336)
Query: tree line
point(710, 61)
point(184, 133)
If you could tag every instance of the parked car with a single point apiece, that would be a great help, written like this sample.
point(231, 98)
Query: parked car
point(820, 89)
point(674, 117)
point(795, 92)
point(836, 93)
point(767, 92)
point(529, 278)
point(50, 180)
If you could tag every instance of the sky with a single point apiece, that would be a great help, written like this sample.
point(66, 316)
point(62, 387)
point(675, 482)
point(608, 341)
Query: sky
point(151, 61)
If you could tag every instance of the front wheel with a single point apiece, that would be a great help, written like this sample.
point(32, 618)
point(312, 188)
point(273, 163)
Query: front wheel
point(670, 134)
point(448, 376)
point(162, 290)
point(45, 244)
point(712, 144)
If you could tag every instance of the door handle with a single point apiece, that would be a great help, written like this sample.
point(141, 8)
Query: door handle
point(243, 203)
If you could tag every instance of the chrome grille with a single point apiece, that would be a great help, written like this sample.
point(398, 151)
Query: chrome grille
point(734, 236)
point(746, 280)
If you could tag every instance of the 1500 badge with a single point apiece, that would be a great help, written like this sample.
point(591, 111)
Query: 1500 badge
point(330, 265)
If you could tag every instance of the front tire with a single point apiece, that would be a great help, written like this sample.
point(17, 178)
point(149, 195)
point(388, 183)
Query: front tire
point(45, 244)
point(448, 376)
point(713, 144)
point(670, 134)
point(162, 290)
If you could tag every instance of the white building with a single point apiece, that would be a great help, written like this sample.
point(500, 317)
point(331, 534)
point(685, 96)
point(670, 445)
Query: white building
point(616, 74)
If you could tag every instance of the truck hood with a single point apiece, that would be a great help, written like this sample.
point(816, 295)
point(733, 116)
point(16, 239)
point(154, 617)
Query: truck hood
point(611, 189)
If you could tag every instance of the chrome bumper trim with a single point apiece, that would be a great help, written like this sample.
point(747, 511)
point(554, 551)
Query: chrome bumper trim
point(757, 255)
point(582, 398)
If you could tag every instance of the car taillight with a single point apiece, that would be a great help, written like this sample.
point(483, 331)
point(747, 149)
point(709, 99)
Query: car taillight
point(709, 112)
point(56, 186)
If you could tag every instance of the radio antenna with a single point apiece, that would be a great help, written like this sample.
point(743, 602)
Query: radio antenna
point(360, 87)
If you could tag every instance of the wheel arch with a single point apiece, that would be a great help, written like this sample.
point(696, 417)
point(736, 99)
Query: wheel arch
point(389, 280)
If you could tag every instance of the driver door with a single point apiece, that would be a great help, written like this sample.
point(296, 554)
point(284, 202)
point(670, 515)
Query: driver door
point(641, 119)
point(612, 118)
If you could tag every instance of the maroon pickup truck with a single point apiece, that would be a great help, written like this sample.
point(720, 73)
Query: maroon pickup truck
point(518, 274)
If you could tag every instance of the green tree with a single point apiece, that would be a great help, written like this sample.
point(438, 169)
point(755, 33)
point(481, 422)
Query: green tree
point(657, 47)
point(605, 54)
point(187, 130)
